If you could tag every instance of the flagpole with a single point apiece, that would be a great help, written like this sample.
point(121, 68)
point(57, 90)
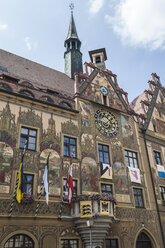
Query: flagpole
point(42, 185)
point(38, 203)
point(16, 186)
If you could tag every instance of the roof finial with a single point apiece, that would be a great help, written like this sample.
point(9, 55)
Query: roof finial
point(71, 6)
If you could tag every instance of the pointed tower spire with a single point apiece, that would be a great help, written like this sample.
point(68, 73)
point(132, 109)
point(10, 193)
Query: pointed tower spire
point(73, 56)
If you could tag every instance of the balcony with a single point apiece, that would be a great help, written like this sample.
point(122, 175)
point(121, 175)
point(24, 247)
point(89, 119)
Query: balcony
point(93, 217)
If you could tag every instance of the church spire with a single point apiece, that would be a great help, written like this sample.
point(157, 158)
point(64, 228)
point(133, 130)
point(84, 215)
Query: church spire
point(72, 55)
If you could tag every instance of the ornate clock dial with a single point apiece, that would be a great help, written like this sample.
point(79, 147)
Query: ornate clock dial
point(104, 90)
point(106, 123)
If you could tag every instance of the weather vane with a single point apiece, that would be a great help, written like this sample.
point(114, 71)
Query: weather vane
point(71, 6)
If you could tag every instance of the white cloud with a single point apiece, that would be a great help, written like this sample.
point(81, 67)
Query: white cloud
point(29, 44)
point(95, 6)
point(3, 26)
point(139, 22)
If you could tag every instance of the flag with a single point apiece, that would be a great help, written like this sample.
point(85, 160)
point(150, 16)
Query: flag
point(70, 185)
point(46, 180)
point(134, 175)
point(19, 194)
point(106, 171)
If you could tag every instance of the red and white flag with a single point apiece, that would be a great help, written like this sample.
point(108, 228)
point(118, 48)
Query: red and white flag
point(134, 175)
point(70, 185)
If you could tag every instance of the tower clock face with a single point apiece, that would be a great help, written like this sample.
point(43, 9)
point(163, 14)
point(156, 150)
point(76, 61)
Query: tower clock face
point(106, 123)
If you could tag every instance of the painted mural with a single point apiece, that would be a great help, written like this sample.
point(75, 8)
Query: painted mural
point(54, 170)
point(93, 93)
point(114, 100)
point(126, 126)
point(120, 178)
point(160, 126)
point(85, 109)
point(89, 172)
point(6, 156)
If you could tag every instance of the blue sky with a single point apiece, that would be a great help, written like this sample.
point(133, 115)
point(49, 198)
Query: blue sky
point(132, 31)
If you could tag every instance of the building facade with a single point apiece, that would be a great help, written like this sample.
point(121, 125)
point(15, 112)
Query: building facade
point(119, 194)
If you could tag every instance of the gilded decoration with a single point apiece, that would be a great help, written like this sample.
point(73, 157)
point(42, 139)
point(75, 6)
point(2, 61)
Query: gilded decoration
point(86, 209)
point(54, 170)
point(85, 109)
point(6, 156)
point(89, 175)
point(69, 128)
point(87, 144)
point(120, 178)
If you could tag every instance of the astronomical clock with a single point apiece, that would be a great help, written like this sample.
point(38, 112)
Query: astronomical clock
point(106, 123)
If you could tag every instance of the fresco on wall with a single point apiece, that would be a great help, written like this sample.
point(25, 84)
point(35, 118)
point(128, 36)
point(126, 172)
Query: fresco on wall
point(120, 178)
point(114, 100)
point(6, 155)
point(160, 126)
point(126, 126)
point(89, 172)
point(54, 170)
point(85, 109)
point(93, 93)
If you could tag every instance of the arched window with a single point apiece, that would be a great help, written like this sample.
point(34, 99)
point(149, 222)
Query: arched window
point(19, 241)
point(26, 93)
point(5, 87)
point(143, 241)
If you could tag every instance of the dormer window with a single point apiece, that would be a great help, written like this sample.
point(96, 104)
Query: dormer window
point(98, 59)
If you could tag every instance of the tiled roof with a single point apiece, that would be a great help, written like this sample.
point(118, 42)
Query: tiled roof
point(39, 75)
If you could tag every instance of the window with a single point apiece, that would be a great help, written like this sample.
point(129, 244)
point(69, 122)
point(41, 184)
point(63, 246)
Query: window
point(106, 188)
point(103, 154)
point(157, 158)
point(111, 243)
point(143, 241)
point(154, 127)
point(65, 188)
point(69, 147)
point(131, 159)
point(104, 100)
point(138, 196)
point(28, 184)
point(19, 241)
point(98, 59)
point(31, 136)
point(69, 243)
point(162, 191)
